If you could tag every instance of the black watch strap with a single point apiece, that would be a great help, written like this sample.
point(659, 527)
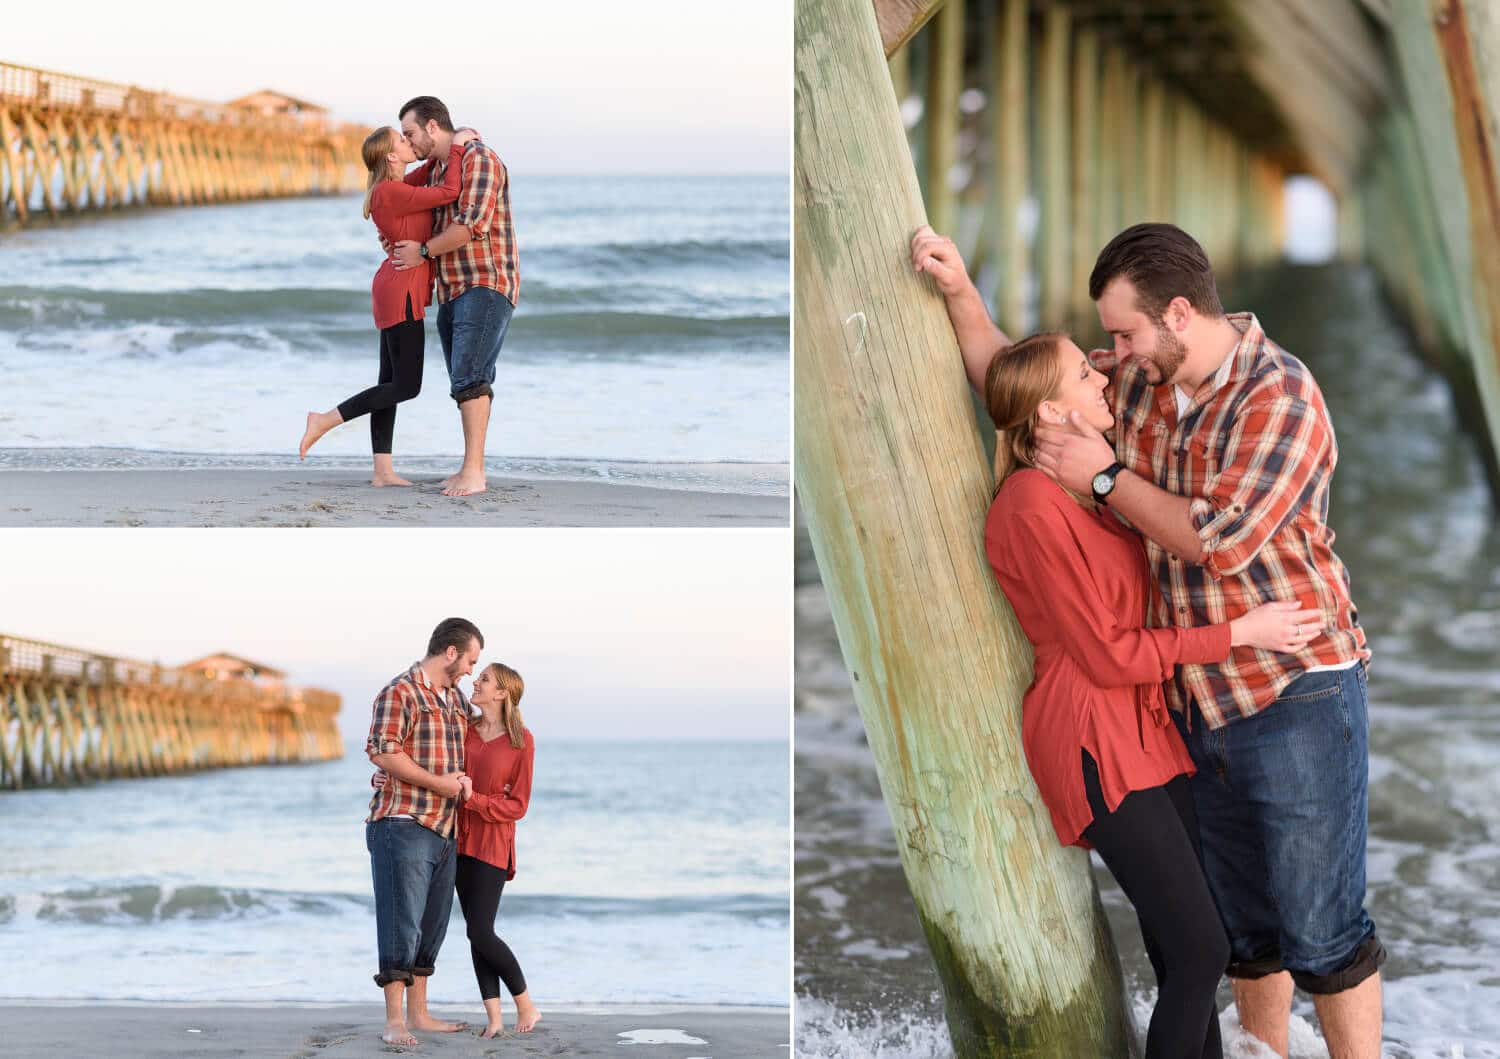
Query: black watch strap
point(1103, 483)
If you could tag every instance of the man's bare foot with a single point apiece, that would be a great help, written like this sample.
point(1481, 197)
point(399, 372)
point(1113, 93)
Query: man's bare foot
point(429, 1024)
point(465, 483)
point(395, 1033)
point(318, 424)
point(527, 1016)
point(380, 480)
point(446, 482)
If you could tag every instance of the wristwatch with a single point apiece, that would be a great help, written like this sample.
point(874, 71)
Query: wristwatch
point(1104, 482)
point(423, 251)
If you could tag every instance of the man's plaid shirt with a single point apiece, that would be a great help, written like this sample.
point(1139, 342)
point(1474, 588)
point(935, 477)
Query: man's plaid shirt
point(489, 258)
point(1255, 450)
point(411, 715)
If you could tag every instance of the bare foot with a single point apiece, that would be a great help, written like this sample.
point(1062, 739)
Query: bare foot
point(465, 483)
point(431, 1025)
point(318, 424)
point(395, 1033)
point(446, 482)
point(388, 479)
point(527, 1016)
point(494, 1029)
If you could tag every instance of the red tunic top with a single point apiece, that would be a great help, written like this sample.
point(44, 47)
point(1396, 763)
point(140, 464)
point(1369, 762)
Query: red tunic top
point(1079, 585)
point(401, 211)
point(487, 825)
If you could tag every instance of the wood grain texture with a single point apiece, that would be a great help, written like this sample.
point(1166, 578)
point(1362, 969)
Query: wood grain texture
point(893, 481)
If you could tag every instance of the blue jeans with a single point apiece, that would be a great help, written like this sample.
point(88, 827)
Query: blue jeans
point(412, 869)
point(472, 328)
point(1283, 806)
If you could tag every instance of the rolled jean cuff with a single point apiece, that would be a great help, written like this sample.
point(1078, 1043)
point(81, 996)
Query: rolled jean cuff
point(1262, 967)
point(422, 972)
point(393, 974)
point(469, 393)
point(1365, 962)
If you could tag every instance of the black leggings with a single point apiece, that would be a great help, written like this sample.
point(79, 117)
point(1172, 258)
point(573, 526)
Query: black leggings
point(1150, 845)
point(479, 885)
point(401, 351)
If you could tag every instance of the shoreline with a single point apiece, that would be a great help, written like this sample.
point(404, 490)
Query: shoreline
point(141, 1030)
point(343, 497)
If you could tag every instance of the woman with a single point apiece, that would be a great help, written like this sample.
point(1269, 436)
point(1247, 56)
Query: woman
point(1107, 760)
point(400, 211)
point(498, 752)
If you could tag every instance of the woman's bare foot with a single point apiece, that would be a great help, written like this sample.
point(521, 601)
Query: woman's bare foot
point(493, 1029)
point(396, 1033)
point(318, 424)
point(465, 483)
point(392, 478)
point(527, 1016)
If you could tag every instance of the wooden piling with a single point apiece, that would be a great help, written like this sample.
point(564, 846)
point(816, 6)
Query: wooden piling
point(893, 479)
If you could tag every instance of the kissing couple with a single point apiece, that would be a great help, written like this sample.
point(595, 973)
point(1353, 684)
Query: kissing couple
point(1198, 711)
point(455, 776)
point(446, 224)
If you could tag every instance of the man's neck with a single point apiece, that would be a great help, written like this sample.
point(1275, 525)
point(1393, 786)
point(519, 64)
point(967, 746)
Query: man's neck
point(442, 143)
point(437, 672)
point(1207, 354)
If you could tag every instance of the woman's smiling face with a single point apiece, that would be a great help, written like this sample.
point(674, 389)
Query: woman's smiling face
point(1081, 390)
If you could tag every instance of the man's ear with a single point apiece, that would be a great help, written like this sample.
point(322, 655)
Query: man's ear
point(1179, 313)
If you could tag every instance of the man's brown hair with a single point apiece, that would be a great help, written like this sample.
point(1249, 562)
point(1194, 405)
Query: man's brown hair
point(455, 633)
point(425, 109)
point(1162, 262)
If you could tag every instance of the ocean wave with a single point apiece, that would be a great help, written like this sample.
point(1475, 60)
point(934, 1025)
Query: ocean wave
point(632, 258)
point(136, 905)
point(176, 322)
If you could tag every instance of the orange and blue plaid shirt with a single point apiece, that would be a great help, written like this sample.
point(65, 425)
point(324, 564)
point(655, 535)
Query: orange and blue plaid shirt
point(1255, 451)
point(428, 725)
point(489, 258)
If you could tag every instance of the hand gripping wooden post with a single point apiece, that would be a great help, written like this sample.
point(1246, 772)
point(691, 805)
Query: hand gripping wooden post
point(893, 481)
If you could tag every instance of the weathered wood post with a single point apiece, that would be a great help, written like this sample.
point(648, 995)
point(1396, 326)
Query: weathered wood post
point(892, 477)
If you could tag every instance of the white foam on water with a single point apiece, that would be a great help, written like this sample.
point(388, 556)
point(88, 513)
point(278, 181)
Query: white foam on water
point(823, 1031)
point(659, 1037)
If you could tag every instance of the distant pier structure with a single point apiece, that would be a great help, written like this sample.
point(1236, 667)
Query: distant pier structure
point(72, 716)
point(71, 145)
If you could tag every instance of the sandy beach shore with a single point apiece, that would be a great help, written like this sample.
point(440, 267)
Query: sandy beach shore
point(245, 497)
point(145, 1031)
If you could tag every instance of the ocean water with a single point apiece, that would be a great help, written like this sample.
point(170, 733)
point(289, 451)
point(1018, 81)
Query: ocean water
point(651, 334)
point(647, 872)
point(1422, 544)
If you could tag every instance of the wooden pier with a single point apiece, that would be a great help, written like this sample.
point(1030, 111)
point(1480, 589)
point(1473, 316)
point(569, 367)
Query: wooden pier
point(72, 145)
point(1033, 131)
point(71, 716)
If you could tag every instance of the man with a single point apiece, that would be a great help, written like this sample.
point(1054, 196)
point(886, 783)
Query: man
point(416, 737)
point(1222, 461)
point(473, 248)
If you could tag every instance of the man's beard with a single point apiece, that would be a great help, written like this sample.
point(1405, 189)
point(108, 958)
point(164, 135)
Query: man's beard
point(454, 670)
point(1169, 354)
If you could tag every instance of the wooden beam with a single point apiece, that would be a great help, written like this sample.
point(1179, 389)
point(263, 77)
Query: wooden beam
point(899, 20)
point(892, 477)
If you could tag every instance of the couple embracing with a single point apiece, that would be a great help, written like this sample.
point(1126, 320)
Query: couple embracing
point(454, 778)
point(1198, 712)
point(447, 221)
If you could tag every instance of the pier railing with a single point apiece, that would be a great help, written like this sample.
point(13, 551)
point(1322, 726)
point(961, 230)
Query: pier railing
point(70, 144)
point(71, 716)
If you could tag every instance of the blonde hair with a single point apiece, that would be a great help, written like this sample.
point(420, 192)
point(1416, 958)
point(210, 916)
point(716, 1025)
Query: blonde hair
point(376, 151)
point(1019, 379)
point(510, 711)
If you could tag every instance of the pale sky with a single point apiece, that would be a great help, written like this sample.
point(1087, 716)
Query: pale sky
point(619, 633)
point(577, 86)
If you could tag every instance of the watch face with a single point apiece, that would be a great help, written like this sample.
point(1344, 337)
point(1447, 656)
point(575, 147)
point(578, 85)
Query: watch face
point(1103, 482)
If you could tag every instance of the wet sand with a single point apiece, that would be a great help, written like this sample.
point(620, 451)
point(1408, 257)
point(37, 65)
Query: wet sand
point(244, 497)
point(146, 1031)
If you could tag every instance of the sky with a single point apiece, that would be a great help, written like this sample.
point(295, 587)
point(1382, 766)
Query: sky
point(618, 633)
point(577, 86)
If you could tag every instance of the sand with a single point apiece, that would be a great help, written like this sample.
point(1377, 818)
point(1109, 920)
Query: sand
point(146, 1031)
point(244, 497)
